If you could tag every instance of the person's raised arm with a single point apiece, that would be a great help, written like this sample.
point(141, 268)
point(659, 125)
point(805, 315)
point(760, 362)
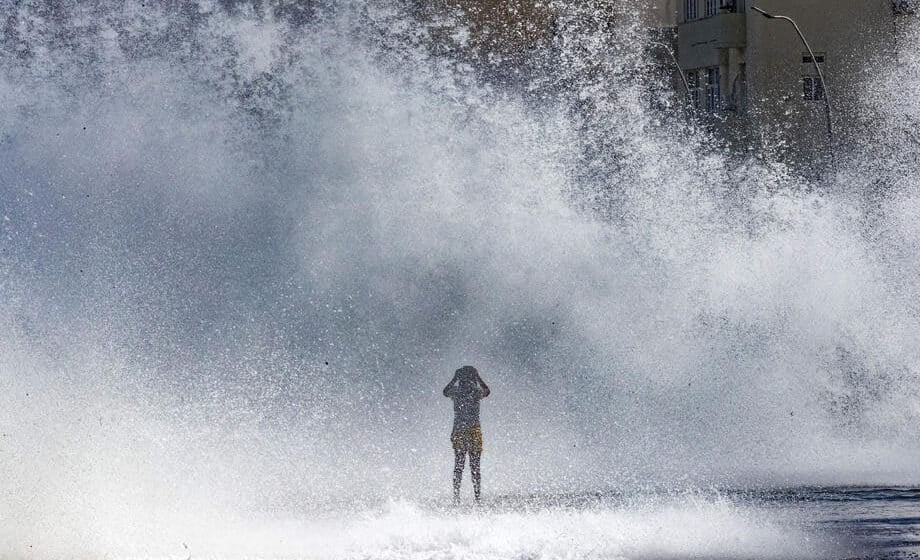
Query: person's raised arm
point(485, 388)
point(450, 386)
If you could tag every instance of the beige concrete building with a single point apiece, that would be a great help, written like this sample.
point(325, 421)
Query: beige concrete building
point(755, 76)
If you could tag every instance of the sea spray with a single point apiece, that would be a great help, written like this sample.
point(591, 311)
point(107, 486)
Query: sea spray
point(243, 250)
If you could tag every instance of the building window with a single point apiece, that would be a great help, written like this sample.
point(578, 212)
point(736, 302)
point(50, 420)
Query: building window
point(691, 10)
point(712, 7)
point(812, 88)
point(713, 90)
point(693, 84)
point(705, 89)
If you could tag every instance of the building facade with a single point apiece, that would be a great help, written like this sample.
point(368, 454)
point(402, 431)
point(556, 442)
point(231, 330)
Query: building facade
point(754, 75)
point(659, 14)
point(748, 76)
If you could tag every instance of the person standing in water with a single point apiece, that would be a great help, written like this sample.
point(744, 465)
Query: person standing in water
point(466, 389)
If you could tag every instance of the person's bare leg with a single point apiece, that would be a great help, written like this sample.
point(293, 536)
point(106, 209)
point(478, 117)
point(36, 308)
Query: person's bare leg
point(474, 469)
point(459, 460)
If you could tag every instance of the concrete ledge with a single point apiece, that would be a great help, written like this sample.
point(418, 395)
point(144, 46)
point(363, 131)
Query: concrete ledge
point(699, 41)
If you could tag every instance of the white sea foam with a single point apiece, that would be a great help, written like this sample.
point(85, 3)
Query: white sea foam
point(402, 530)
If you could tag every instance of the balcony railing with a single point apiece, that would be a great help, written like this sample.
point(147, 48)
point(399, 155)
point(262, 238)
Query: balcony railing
point(701, 9)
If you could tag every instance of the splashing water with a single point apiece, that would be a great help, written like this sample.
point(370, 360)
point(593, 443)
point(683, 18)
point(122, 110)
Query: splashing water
point(244, 248)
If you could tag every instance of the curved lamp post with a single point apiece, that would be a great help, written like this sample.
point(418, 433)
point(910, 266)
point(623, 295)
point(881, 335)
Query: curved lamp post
point(827, 101)
point(683, 77)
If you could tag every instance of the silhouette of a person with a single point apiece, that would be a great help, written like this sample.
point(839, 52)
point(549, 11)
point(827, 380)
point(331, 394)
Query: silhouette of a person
point(466, 389)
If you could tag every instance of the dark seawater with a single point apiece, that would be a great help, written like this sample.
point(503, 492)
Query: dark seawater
point(885, 522)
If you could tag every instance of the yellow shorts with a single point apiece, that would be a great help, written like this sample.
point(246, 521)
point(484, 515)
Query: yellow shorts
point(467, 440)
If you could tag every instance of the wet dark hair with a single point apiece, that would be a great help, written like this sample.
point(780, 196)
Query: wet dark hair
point(467, 372)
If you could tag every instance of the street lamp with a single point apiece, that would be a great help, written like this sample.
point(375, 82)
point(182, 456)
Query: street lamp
point(680, 71)
point(827, 101)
